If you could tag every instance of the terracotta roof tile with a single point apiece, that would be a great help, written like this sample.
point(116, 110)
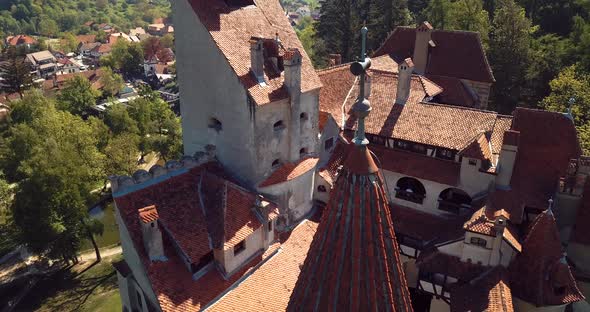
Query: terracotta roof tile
point(269, 287)
point(86, 38)
point(353, 262)
point(540, 274)
point(432, 124)
point(323, 120)
point(482, 224)
point(479, 149)
point(20, 39)
point(503, 123)
point(416, 165)
point(487, 293)
point(454, 91)
point(434, 261)
point(430, 87)
point(337, 83)
point(148, 214)
point(457, 53)
point(426, 227)
point(232, 28)
point(290, 171)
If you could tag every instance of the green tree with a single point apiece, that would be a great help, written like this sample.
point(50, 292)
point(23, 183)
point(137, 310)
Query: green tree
point(572, 84)
point(16, 75)
point(112, 82)
point(119, 121)
point(334, 27)
point(69, 43)
point(77, 95)
point(437, 13)
point(383, 17)
point(167, 41)
point(50, 206)
point(122, 152)
point(509, 54)
point(469, 15)
point(48, 27)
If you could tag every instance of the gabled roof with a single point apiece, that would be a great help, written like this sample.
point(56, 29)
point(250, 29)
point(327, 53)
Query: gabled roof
point(353, 263)
point(231, 29)
point(487, 293)
point(540, 274)
point(455, 91)
point(86, 38)
point(457, 54)
point(482, 224)
point(20, 39)
point(290, 171)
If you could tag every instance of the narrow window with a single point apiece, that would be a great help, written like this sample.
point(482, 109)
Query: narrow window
point(239, 247)
point(478, 241)
point(270, 225)
point(473, 162)
point(328, 144)
point(303, 116)
point(302, 152)
point(279, 125)
point(215, 124)
point(321, 189)
point(276, 163)
point(152, 224)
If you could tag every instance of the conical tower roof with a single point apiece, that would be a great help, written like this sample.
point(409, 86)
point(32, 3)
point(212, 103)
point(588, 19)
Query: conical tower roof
point(353, 263)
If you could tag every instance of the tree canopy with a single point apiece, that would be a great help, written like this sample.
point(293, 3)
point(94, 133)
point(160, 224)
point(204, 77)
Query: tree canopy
point(77, 95)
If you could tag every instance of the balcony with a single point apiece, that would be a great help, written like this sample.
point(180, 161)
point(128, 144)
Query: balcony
point(409, 196)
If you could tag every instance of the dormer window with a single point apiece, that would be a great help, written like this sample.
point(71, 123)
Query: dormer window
point(445, 153)
point(215, 124)
point(279, 125)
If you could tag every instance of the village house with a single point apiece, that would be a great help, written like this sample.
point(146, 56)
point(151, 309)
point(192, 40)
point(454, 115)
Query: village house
point(20, 40)
point(43, 63)
point(448, 207)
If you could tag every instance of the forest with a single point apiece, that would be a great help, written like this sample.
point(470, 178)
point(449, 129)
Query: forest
point(538, 49)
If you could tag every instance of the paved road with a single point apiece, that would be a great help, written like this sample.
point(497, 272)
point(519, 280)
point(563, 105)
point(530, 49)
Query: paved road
point(91, 255)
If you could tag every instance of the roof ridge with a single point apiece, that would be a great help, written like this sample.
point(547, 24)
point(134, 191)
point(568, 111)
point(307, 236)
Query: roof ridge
point(485, 111)
point(332, 68)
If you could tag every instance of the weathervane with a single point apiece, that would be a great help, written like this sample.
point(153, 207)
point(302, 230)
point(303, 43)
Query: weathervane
point(361, 107)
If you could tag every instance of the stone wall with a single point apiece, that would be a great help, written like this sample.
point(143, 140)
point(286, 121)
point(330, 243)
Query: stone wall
point(482, 89)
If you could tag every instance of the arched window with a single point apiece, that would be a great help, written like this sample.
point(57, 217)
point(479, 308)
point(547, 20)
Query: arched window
point(215, 124)
point(410, 189)
point(321, 189)
point(276, 163)
point(454, 200)
point(279, 125)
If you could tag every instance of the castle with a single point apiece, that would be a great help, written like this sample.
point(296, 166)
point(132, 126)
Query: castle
point(464, 209)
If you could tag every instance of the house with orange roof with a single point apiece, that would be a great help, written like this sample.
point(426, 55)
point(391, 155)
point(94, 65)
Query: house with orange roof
point(20, 40)
point(349, 188)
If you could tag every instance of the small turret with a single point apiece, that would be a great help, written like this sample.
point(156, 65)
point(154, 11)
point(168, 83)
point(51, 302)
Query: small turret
point(152, 237)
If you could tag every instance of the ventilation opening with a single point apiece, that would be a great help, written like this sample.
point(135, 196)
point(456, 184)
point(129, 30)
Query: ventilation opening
point(239, 3)
point(215, 124)
point(303, 116)
point(276, 163)
point(279, 125)
point(239, 247)
point(321, 189)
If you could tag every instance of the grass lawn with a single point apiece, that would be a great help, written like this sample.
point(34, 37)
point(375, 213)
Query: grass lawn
point(110, 235)
point(81, 288)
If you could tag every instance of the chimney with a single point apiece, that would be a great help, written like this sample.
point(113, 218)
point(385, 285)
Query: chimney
point(335, 59)
point(292, 64)
point(257, 59)
point(404, 81)
point(499, 227)
point(507, 159)
point(421, 46)
point(152, 237)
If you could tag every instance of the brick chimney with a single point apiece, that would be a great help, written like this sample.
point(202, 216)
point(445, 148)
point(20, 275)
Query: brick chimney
point(335, 59)
point(404, 81)
point(152, 237)
point(499, 227)
point(421, 46)
point(507, 159)
point(257, 58)
point(292, 64)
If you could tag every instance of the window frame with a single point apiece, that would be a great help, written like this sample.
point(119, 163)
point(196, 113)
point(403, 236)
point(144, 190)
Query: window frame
point(477, 241)
point(239, 248)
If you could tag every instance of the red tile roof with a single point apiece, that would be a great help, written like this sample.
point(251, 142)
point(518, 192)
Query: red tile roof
point(290, 171)
point(337, 83)
point(432, 124)
point(148, 214)
point(482, 224)
point(540, 274)
point(92, 75)
point(416, 165)
point(479, 149)
point(20, 39)
point(502, 124)
point(434, 261)
point(323, 120)
point(546, 144)
point(580, 230)
point(457, 54)
point(353, 262)
point(426, 227)
point(232, 28)
point(455, 92)
point(487, 293)
point(86, 39)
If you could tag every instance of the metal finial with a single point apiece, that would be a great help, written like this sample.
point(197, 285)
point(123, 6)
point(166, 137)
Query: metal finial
point(361, 107)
